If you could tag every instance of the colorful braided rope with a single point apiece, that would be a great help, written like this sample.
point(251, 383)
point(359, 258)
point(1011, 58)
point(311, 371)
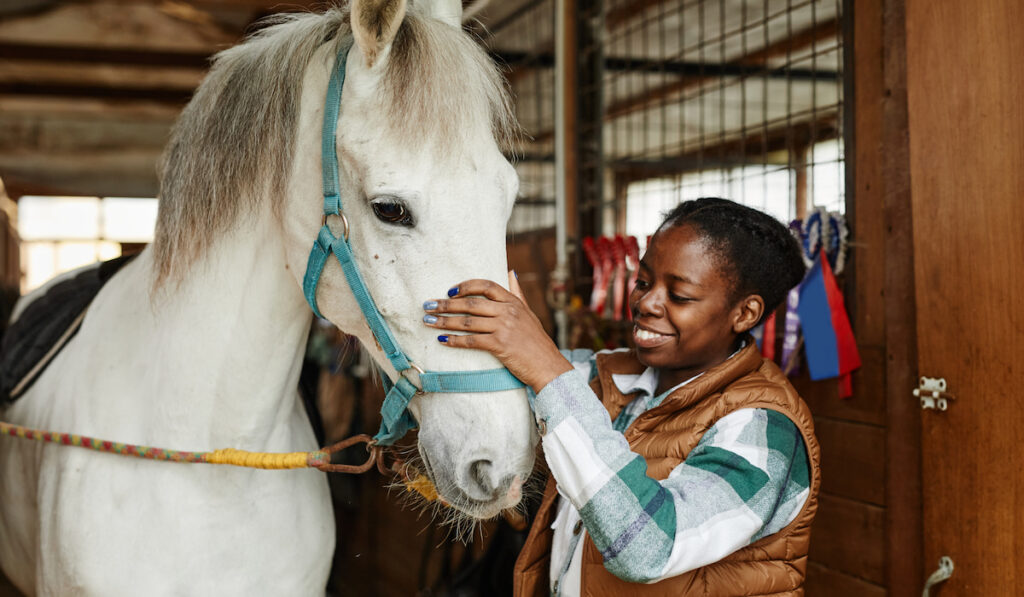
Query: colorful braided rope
point(261, 460)
point(319, 459)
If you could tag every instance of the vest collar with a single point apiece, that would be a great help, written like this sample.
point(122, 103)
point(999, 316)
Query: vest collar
point(714, 380)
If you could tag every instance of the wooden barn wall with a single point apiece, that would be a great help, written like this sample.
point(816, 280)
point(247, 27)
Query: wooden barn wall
point(10, 262)
point(904, 533)
point(848, 545)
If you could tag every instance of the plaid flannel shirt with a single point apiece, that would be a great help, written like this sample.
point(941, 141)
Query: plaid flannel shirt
point(747, 478)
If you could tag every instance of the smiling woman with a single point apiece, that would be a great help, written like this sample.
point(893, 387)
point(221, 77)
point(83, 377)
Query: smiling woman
point(690, 461)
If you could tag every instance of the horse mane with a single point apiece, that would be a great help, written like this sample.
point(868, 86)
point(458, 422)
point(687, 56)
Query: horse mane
point(233, 145)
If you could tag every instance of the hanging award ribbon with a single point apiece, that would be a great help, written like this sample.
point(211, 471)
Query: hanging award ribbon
point(768, 339)
point(790, 357)
point(790, 361)
point(837, 237)
point(816, 306)
point(599, 288)
point(633, 265)
point(606, 253)
point(829, 345)
point(618, 250)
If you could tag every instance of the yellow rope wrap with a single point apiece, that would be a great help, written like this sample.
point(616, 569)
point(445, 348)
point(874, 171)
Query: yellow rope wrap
point(258, 459)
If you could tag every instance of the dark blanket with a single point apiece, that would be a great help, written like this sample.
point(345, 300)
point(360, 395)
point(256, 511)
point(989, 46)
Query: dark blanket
point(45, 327)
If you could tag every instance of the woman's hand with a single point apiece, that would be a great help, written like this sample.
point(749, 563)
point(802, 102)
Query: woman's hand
point(499, 322)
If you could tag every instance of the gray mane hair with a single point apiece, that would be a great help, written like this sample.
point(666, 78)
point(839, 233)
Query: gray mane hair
point(233, 145)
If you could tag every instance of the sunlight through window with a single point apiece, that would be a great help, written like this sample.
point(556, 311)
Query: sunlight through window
point(60, 234)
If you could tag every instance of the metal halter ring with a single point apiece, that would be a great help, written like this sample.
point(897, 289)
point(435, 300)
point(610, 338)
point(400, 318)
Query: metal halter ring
point(344, 223)
point(419, 386)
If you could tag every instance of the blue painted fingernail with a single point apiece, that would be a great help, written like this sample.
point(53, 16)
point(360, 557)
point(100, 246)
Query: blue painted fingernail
point(453, 291)
point(429, 305)
point(516, 274)
point(442, 338)
point(429, 319)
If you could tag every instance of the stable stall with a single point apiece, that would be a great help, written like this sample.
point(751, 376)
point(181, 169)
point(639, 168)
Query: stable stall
point(886, 134)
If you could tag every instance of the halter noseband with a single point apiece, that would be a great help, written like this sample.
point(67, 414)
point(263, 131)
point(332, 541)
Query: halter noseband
point(395, 417)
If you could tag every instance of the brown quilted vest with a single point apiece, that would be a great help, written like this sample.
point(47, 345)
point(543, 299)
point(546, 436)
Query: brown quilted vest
point(775, 565)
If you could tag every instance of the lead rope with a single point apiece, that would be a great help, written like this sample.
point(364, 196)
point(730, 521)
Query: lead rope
point(319, 459)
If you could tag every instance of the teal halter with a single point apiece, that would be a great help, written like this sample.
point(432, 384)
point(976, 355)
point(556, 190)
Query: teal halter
point(396, 419)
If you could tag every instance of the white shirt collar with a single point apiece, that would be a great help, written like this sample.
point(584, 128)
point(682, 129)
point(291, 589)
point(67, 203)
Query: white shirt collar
point(647, 382)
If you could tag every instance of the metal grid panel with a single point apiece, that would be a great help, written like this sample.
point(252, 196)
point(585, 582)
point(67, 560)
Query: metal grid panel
point(523, 38)
point(736, 98)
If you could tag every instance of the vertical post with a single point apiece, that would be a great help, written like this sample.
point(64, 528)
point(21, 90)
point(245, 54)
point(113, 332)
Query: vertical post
point(589, 98)
point(803, 203)
point(565, 160)
point(904, 490)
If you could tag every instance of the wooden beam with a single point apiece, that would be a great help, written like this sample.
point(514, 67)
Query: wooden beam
point(254, 5)
point(16, 71)
point(92, 54)
point(124, 172)
point(159, 94)
point(696, 74)
point(904, 519)
point(621, 15)
point(751, 64)
point(736, 151)
point(798, 41)
point(672, 67)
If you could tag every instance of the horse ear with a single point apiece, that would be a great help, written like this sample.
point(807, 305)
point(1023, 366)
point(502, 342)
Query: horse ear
point(374, 25)
point(449, 11)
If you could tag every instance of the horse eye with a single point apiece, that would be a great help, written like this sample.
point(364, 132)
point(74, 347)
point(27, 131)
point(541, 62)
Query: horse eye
point(392, 213)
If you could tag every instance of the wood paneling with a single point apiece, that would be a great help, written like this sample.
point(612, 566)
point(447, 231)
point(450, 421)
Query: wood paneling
point(532, 256)
point(867, 405)
point(852, 459)
point(824, 582)
point(964, 90)
point(849, 537)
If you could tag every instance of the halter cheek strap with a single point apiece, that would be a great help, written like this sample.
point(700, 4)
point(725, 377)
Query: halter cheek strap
point(396, 420)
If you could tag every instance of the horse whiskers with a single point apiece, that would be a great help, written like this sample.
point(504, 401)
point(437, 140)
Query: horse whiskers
point(460, 526)
point(533, 486)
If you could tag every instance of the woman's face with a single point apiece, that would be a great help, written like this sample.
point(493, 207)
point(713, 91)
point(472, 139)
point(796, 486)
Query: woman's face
point(685, 316)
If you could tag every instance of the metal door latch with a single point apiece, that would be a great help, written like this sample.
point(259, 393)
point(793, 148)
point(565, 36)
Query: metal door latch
point(933, 394)
point(941, 575)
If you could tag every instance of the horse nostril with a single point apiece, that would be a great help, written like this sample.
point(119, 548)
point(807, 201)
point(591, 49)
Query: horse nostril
point(481, 484)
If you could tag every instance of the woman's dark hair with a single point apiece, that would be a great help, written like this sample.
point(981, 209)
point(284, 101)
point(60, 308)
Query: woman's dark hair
point(758, 251)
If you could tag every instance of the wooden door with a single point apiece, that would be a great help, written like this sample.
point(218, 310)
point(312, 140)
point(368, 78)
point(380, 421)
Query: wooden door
point(965, 93)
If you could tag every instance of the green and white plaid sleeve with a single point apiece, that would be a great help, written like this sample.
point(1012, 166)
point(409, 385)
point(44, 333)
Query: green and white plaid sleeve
point(748, 477)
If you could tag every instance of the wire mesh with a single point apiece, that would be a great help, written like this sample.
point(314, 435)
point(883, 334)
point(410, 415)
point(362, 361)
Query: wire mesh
point(735, 98)
point(521, 37)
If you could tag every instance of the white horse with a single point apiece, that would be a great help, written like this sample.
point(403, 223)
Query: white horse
point(197, 343)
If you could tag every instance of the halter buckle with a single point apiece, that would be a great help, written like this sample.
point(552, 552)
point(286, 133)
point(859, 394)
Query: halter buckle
point(344, 223)
point(415, 382)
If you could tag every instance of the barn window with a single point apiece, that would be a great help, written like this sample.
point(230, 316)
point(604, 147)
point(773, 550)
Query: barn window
point(61, 233)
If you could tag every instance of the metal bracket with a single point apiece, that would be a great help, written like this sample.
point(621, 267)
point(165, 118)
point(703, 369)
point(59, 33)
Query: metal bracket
point(932, 393)
point(941, 575)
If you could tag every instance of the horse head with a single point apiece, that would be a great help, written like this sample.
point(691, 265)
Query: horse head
point(427, 193)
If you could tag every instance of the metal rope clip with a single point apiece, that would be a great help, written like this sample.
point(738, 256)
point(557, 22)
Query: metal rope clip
point(344, 223)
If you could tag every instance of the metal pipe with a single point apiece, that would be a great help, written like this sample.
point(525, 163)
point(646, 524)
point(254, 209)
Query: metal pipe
point(560, 277)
